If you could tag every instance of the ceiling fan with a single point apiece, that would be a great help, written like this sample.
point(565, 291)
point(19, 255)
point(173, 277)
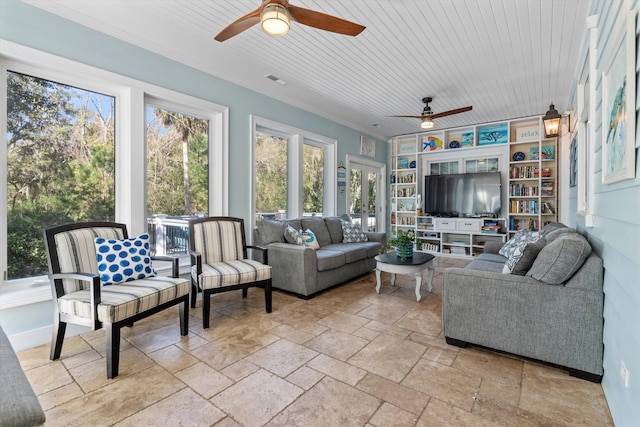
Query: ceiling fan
point(275, 15)
point(426, 119)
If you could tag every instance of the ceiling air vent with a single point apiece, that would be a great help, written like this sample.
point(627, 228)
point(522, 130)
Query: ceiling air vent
point(276, 79)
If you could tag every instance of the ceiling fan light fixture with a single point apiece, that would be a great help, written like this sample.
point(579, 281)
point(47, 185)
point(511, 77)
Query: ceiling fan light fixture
point(426, 123)
point(274, 20)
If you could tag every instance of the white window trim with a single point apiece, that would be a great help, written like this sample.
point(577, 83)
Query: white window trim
point(130, 96)
point(586, 131)
point(296, 137)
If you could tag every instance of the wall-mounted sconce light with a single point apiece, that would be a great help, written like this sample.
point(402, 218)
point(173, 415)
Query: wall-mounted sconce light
point(552, 122)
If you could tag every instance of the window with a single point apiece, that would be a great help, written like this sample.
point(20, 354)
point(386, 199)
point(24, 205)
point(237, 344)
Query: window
point(271, 175)
point(177, 162)
point(313, 188)
point(72, 149)
point(291, 172)
point(60, 164)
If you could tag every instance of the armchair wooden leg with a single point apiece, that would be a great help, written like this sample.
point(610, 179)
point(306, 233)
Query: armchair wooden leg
point(184, 316)
point(245, 292)
point(267, 296)
point(194, 294)
point(206, 308)
point(113, 349)
point(59, 329)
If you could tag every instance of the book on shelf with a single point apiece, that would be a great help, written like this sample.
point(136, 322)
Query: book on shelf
point(546, 189)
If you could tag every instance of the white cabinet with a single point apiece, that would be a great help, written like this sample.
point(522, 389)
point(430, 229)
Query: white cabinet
point(458, 236)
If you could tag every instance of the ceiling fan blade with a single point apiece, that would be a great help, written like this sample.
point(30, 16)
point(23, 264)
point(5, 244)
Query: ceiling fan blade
point(239, 25)
point(411, 117)
point(450, 112)
point(325, 22)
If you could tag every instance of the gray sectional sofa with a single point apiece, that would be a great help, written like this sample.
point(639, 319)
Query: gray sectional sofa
point(19, 405)
point(304, 271)
point(549, 308)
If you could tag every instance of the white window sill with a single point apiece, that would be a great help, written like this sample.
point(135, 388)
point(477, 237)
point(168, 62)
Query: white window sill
point(37, 290)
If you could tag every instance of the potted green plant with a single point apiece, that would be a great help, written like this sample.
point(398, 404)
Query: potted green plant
point(403, 242)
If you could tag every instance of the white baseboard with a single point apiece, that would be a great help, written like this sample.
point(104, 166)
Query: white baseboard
point(36, 337)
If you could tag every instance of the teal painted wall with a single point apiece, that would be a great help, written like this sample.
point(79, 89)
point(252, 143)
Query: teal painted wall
point(616, 236)
point(32, 27)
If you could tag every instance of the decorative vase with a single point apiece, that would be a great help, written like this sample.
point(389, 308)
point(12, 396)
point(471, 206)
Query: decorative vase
point(404, 251)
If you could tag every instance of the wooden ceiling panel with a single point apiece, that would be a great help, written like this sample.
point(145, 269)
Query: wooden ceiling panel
point(506, 58)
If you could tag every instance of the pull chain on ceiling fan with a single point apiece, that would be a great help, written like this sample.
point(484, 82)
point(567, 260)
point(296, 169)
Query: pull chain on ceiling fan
point(275, 17)
point(427, 116)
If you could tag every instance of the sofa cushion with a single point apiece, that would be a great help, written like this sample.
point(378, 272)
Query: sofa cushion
point(560, 259)
point(553, 234)
point(519, 240)
point(319, 228)
point(552, 226)
point(352, 251)
point(334, 225)
point(328, 259)
point(295, 223)
point(492, 257)
point(293, 236)
point(522, 259)
point(309, 239)
point(484, 265)
point(352, 233)
point(270, 231)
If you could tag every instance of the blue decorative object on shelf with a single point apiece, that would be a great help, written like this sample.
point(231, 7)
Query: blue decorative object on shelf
point(412, 165)
point(454, 144)
point(518, 156)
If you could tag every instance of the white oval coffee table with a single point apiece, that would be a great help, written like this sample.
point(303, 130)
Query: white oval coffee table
point(392, 263)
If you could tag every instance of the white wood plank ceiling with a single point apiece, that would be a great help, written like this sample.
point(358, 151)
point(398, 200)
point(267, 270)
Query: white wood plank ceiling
point(506, 58)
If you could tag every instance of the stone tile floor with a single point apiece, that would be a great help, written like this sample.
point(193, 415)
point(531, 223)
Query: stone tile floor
point(348, 357)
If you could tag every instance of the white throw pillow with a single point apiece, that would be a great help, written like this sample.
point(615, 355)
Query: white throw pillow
point(310, 240)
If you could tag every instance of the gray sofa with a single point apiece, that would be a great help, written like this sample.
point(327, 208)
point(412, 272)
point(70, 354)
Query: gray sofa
point(550, 309)
point(304, 271)
point(19, 405)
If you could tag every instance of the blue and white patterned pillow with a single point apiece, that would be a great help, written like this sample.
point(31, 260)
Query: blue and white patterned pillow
point(519, 241)
point(293, 236)
point(310, 240)
point(123, 260)
point(352, 233)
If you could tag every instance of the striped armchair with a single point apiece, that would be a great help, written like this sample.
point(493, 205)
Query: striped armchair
point(219, 262)
point(80, 298)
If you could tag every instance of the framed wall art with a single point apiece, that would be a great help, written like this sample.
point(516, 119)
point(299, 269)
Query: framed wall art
point(618, 107)
point(367, 147)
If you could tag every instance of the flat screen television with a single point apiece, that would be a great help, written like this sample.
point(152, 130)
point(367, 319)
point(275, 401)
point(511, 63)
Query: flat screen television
point(463, 195)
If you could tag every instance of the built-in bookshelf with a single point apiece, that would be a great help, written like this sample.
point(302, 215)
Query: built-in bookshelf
point(533, 172)
point(529, 170)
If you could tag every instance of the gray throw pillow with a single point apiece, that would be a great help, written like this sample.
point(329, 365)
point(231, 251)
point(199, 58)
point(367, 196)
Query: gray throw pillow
point(560, 259)
point(522, 259)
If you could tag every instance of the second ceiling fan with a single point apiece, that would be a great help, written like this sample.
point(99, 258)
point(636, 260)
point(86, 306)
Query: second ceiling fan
point(427, 116)
point(275, 15)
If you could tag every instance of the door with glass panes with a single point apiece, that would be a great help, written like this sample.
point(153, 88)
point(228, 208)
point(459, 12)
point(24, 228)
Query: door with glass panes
point(365, 183)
